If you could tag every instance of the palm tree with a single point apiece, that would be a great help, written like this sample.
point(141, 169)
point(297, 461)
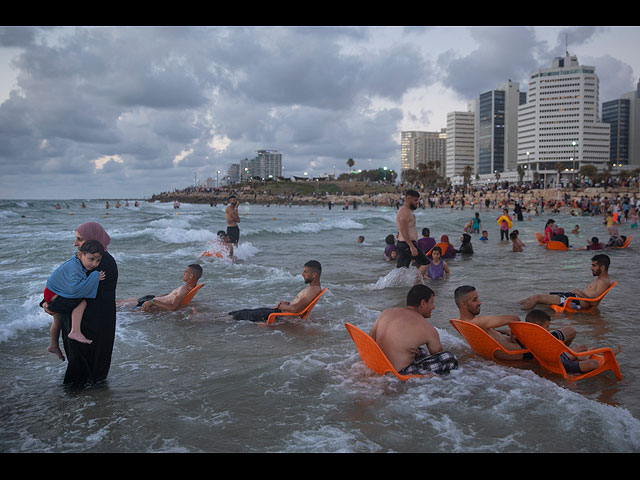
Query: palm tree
point(350, 163)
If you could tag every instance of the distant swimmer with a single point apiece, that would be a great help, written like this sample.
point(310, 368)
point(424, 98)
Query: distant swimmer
point(407, 245)
point(409, 341)
point(232, 218)
point(468, 303)
point(311, 275)
point(600, 270)
point(171, 301)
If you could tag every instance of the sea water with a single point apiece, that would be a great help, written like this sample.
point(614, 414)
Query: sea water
point(193, 381)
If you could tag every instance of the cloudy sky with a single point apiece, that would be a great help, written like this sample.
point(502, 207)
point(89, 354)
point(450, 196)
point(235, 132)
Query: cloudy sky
point(125, 112)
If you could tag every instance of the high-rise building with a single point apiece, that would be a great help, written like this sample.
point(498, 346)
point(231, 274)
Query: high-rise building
point(558, 127)
point(267, 164)
point(623, 115)
point(497, 134)
point(418, 147)
point(460, 142)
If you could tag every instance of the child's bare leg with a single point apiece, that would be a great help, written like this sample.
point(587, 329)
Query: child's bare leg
point(76, 321)
point(54, 335)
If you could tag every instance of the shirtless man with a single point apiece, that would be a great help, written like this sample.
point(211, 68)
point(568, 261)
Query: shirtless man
point(170, 301)
point(407, 245)
point(311, 275)
point(232, 218)
point(599, 269)
point(468, 302)
point(401, 333)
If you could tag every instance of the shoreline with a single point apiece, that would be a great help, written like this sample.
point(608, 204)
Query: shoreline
point(388, 199)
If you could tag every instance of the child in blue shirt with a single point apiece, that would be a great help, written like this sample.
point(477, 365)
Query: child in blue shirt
point(68, 286)
point(485, 235)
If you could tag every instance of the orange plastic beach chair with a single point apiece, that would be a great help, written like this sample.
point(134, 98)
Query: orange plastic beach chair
point(626, 242)
point(189, 296)
point(539, 238)
point(443, 248)
point(566, 307)
point(302, 314)
point(372, 355)
point(480, 341)
point(547, 349)
point(556, 245)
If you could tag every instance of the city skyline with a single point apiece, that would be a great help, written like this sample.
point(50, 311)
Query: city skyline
point(83, 114)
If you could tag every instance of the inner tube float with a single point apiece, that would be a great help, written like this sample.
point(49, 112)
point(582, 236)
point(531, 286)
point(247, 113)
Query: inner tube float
point(502, 218)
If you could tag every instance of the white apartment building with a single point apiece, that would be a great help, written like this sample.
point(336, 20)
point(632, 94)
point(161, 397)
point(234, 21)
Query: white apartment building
point(461, 128)
point(423, 147)
point(558, 125)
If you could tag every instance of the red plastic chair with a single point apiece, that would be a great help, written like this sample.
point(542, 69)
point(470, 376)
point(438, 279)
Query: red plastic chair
point(372, 355)
point(539, 238)
point(302, 314)
point(547, 350)
point(480, 341)
point(566, 307)
point(556, 245)
point(626, 242)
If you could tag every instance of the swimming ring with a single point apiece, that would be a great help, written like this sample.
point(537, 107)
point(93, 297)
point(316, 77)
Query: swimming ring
point(505, 218)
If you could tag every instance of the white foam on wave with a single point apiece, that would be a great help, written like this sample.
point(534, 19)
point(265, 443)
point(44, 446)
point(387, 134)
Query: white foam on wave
point(308, 227)
point(8, 214)
point(398, 277)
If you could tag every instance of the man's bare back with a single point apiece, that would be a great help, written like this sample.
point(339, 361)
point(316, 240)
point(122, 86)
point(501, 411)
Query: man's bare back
point(400, 331)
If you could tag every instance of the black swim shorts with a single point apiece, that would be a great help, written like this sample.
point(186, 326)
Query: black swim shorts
point(63, 304)
point(253, 314)
point(575, 304)
point(234, 234)
point(404, 255)
point(424, 363)
point(146, 298)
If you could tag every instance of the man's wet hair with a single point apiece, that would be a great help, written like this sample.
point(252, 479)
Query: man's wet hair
point(417, 294)
point(602, 260)
point(390, 239)
point(426, 232)
point(461, 292)
point(196, 269)
point(92, 246)
point(314, 266)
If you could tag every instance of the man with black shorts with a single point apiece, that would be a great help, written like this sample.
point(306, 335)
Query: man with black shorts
point(232, 218)
point(407, 246)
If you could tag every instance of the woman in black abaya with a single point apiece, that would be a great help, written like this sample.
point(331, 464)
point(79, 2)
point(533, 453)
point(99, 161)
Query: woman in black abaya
point(90, 363)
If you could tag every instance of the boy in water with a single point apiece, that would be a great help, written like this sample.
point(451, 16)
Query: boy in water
point(566, 335)
point(68, 286)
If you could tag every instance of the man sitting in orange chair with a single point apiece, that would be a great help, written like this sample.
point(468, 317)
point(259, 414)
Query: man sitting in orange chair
point(170, 301)
point(468, 302)
point(600, 270)
point(311, 275)
point(401, 333)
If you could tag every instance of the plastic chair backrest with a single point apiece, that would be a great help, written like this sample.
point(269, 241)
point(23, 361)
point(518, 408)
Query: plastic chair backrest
point(539, 238)
point(547, 350)
point(372, 355)
point(480, 341)
point(189, 296)
point(302, 314)
point(566, 307)
point(443, 248)
point(556, 245)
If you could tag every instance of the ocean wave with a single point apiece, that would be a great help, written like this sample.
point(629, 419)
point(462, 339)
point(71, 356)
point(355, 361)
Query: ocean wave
point(309, 227)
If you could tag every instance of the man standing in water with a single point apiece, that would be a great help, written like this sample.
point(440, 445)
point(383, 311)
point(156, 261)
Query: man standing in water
point(599, 269)
point(400, 333)
point(407, 246)
point(311, 275)
point(232, 218)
